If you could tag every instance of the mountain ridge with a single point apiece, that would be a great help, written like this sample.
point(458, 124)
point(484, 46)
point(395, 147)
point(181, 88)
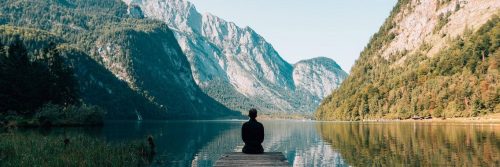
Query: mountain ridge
point(420, 64)
point(228, 59)
point(115, 40)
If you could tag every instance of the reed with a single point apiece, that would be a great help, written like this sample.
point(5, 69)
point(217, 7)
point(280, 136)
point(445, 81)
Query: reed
point(35, 149)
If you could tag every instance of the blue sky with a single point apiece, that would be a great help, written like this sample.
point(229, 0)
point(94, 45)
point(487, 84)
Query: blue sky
point(303, 29)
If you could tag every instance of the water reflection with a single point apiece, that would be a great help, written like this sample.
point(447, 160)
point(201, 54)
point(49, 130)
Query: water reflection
point(178, 142)
point(414, 144)
point(201, 143)
point(299, 141)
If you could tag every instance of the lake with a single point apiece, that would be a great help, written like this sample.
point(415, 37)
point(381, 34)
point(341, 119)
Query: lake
point(310, 143)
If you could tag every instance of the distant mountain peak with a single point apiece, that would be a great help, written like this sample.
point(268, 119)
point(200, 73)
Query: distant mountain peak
point(238, 67)
point(321, 60)
point(320, 75)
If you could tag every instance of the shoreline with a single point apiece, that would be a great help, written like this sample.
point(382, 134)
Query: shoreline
point(491, 118)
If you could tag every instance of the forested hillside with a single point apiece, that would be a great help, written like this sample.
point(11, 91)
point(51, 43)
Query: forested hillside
point(132, 67)
point(445, 75)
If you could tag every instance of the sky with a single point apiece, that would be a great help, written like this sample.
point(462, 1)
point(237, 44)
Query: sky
point(304, 29)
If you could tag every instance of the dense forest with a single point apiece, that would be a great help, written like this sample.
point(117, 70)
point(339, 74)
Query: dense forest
point(40, 90)
point(461, 80)
point(131, 67)
point(28, 84)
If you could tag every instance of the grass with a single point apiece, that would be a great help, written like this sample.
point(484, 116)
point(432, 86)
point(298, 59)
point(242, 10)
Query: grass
point(55, 115)
point(35, 149)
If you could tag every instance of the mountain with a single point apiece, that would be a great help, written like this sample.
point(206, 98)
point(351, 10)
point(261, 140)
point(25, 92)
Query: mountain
point(429, 58)
point(96, 85)
point(132, 67)
point(314, 76)
point(237, 66)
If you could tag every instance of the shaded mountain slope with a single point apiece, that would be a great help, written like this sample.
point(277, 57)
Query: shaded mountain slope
point(237, 66)
point(150, 74)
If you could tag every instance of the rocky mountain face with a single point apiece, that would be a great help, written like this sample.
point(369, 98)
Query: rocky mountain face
point(237, 67)
point(153, 64)
point(132, 67)
point(313, 76)
point(431, 57)
point(432, 22)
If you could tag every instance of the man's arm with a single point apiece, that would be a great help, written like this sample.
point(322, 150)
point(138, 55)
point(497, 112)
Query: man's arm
point(244, 133)
point(261, 134)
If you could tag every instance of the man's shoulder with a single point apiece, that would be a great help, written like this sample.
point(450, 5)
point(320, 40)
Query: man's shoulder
point(252, 123)
point(248, 123)
point(258, 124)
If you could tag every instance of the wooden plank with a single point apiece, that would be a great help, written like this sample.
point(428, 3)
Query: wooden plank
point(249, 160)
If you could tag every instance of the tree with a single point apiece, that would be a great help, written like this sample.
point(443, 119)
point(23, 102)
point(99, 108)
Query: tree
point(17, 85)
point(29, 84)
point(63, 90)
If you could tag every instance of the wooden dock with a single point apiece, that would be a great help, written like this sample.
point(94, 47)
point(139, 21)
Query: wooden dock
point(242, 159)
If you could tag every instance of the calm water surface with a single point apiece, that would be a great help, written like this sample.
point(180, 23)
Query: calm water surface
point(201, 143)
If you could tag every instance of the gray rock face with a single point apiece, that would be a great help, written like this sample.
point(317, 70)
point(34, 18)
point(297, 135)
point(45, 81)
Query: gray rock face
point(152, 64)
point(238, 67)
point(418, 24)
point(314, 76)
point(134, 68)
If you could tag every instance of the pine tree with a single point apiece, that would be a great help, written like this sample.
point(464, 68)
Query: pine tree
point(16, 90)
point(28, 85)
point(64, 90)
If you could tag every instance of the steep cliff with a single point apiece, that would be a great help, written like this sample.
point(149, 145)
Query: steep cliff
point(140, 70)
point(237, 66)
point(430, 57)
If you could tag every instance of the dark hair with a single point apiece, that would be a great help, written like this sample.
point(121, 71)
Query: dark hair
point(252, 113)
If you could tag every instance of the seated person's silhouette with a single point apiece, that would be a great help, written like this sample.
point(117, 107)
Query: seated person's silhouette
point(252, 133)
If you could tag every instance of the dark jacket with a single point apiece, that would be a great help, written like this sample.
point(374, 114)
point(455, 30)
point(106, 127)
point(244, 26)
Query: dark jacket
point(252, 133)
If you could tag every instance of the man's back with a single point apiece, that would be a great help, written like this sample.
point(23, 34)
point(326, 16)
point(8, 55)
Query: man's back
point(252, 133)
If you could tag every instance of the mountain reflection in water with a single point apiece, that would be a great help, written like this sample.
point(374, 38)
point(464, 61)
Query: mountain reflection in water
point(309, 143)
point(201, 143)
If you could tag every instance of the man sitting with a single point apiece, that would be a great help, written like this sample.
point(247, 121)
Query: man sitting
point(252, 133)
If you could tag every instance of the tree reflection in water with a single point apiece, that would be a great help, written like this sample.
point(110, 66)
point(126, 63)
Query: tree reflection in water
point(414, 144)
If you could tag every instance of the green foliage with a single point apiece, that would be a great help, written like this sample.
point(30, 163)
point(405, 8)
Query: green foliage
point(383, 36)
point(460, 81)
point(97, 85)
point(54, 115)
point(443, 20)
point(79, 22)
point(85, 28)
point(28, 84)
point(441, 3)
point(236, 101)
point(31, 38)
point(34, 149)
point(457, 7)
